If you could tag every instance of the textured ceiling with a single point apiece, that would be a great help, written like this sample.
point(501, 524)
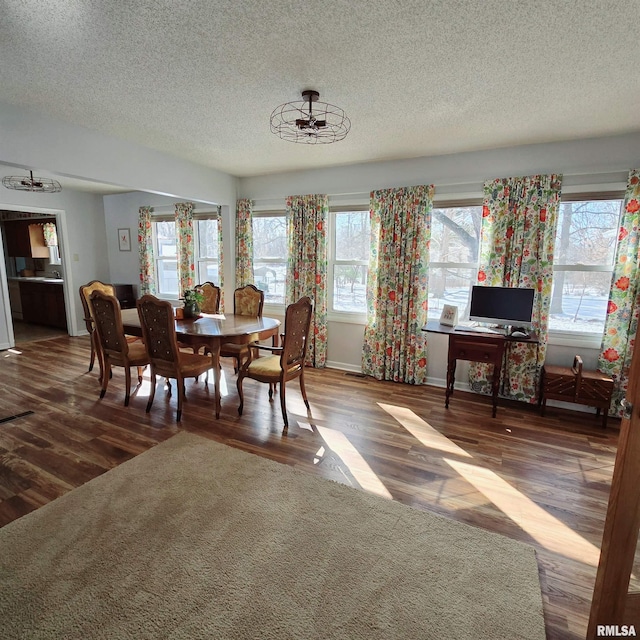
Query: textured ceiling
point(199, 78)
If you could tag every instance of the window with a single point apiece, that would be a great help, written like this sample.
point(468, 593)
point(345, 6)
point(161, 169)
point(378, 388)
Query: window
point(270, 255)
point(207, 250)
point(207, 253)
point(165, 250)
point(453, 258)
point(349, 262)
point(583, 264)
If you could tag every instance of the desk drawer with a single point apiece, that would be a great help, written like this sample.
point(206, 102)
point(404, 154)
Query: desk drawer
point(476, 352)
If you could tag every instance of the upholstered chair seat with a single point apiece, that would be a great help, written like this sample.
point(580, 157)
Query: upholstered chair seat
point(115, 349)
point(159, 335)
point(288, 364)
point(267, 366)
point(85, 291)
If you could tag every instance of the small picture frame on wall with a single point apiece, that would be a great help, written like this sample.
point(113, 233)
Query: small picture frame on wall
point(449, 315)
point(124, 239)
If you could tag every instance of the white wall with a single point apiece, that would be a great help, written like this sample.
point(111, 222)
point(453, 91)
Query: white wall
point(458, 173)
point(31, 140)
point(593, 164)
point(121, 210)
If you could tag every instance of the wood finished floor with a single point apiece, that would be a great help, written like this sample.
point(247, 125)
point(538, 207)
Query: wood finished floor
point(28, 332)
point(544, 481)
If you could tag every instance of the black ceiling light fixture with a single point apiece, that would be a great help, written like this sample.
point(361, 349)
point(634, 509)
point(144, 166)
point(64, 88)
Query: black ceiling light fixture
point(309, 121)
point(37, 185)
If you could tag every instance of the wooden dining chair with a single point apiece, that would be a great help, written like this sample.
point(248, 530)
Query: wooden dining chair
point(159, 336)
point(211, 293)
point(115, 349)
point(247, 301)
point(287, 361)
point(85, 291)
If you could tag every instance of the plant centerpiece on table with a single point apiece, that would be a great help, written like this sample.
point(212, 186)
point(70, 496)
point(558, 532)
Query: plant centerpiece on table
point(193, 298)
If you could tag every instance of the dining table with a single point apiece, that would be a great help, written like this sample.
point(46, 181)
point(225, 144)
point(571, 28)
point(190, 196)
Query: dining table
point(211, 331)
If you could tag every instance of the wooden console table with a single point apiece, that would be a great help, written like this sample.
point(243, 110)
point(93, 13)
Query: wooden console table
point(475, 347)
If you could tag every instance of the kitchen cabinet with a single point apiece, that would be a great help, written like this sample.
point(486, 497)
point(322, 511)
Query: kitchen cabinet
point(25, 239)
point(14, 299)
point(43, 303)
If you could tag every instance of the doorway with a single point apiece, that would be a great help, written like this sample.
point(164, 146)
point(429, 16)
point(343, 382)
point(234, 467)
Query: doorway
point(33, 274)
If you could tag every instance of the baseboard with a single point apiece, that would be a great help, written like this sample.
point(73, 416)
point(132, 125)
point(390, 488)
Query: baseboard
point(437, 382)
point(343, 366)
point(464, 386)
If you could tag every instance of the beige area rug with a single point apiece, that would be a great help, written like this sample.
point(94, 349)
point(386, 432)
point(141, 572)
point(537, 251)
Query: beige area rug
point(194, 539)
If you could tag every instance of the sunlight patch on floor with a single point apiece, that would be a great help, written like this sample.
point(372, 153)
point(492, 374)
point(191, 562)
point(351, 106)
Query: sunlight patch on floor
point(224, 389)
point(546, 529)
point(422, 431)
point(143, 389)
point(357, 465)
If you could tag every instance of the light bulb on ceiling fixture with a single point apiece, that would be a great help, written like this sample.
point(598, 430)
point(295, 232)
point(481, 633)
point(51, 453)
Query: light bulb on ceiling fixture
point(37, 185)
point(309, 121)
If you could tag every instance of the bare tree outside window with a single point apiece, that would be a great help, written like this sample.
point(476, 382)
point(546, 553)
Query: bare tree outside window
point(583, 264)
point(453, 258)
point(208, 251)
point(166, 252)
point(350, 263)
point(270, 256)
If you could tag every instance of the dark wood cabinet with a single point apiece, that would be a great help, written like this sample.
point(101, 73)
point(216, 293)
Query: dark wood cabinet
point(25, 239)
point(124, 293)
point(43, 303)
point(17, 238)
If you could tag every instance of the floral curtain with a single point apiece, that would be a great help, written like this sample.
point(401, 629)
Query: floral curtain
point(623, 309)
point(244, 243)
point(519, 219)
point(50, 234)
point(395, 347)
point(307, 266)
point(145, 251)
point(220, 260)
point(185, 250)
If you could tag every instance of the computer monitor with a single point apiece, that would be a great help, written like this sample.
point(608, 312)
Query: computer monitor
point(501, 305)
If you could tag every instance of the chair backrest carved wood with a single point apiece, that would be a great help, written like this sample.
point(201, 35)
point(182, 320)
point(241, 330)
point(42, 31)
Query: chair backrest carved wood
point(248, 301)
point(159, 334)
point(85, 291)
point(107, 318)
point(297, 321)
point(211, 293)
